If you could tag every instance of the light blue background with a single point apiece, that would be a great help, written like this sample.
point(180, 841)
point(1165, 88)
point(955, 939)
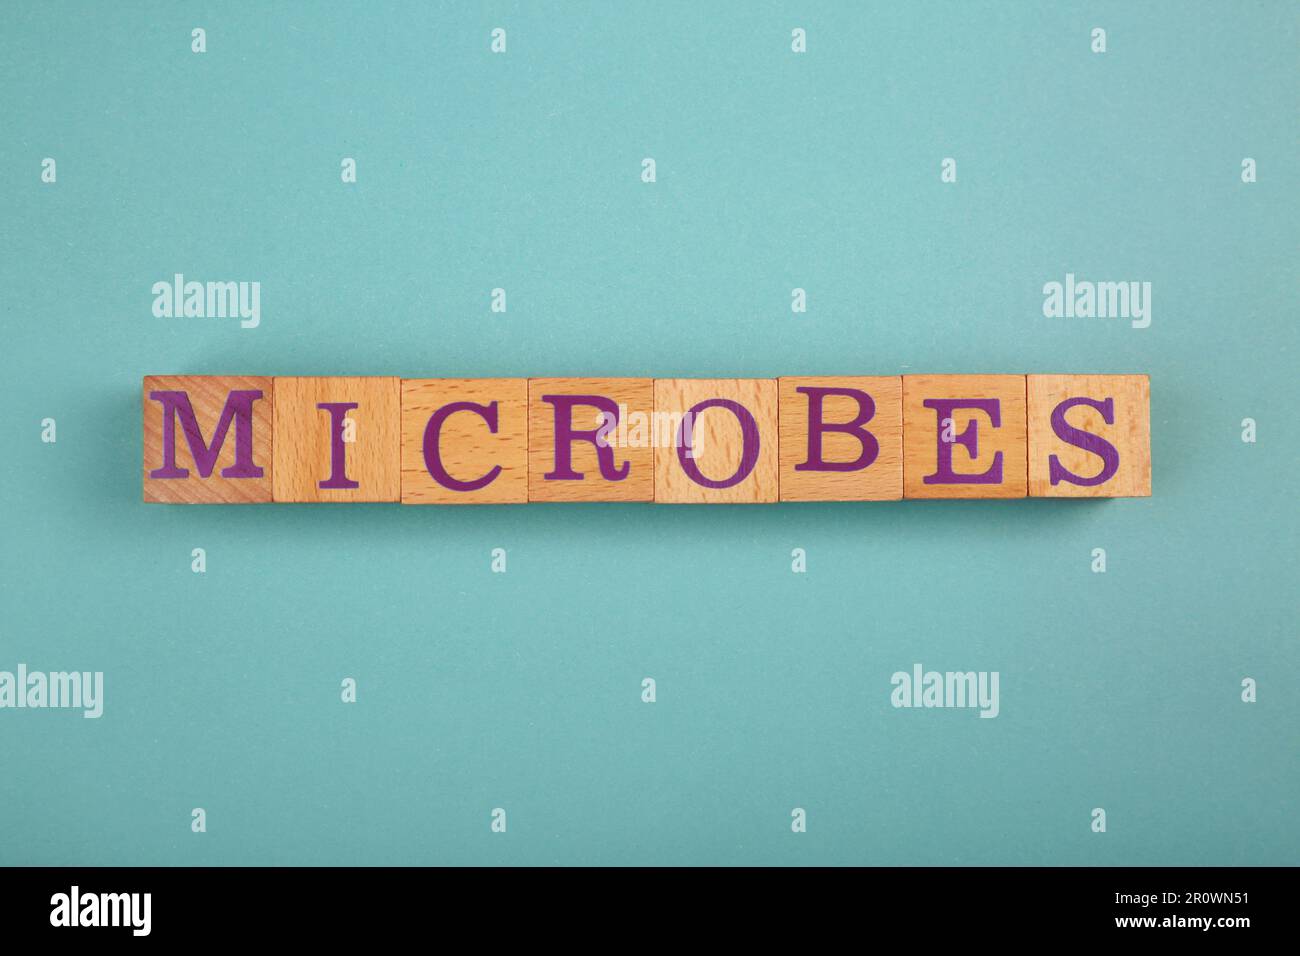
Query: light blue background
point(775, 170)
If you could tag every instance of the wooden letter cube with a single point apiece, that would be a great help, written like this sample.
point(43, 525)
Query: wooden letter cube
point(716, 441)
point(464, 441)
point(964, 436)
point(1089, 436)
point(207, 439)
point(589, 439)
point(841, 438)
point(338, 439)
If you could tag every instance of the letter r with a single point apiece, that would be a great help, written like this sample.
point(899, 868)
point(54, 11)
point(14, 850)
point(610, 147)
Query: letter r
point(566, 435)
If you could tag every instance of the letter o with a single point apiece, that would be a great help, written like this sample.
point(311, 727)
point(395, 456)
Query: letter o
point(748, 448)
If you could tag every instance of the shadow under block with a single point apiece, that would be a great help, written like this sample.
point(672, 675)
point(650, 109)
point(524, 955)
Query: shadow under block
point(853, 450)
point(589, 439)
point(964, 436)
point(464, 441)
point(1089, 436)
point(337, 439)
point(207, 439)
point(733, 434)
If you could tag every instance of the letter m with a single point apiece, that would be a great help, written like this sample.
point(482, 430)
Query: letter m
point(117, 909)
point(1112, 300)
point(238, 409)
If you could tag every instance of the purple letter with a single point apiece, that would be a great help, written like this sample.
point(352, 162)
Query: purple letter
point(432, 454)
point(748, 443)
point(338, 453)
point(944, 475)
point(566, 435)
point(1103, 449)
point(866, 408)
point(238, 407)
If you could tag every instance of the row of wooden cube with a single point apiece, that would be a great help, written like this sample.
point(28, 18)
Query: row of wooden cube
point(239, 439)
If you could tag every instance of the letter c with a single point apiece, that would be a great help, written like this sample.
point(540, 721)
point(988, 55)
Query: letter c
point(432, 434)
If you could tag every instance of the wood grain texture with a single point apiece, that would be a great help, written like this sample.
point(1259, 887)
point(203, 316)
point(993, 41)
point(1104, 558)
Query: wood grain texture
point(718, 440)
point(882, 479)
point(467, 447)
point(921, 436)
point(1130, 435)
point(207, 396)
point(304, 438)
point(635, 396)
